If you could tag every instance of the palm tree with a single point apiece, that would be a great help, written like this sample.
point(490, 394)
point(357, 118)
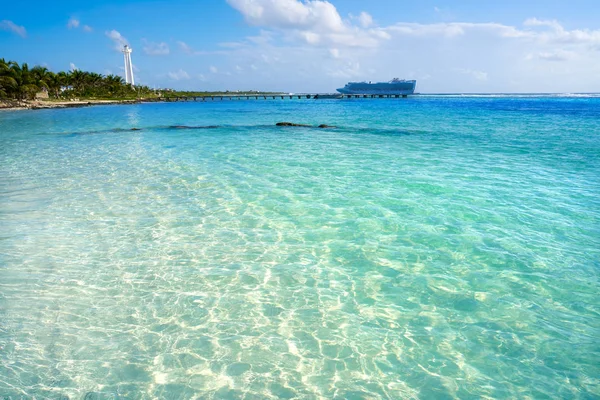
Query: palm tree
point(7, 82)
point(25, 81)
point(77, 80)
point(18, 81)
point(54, 83)
point(41, 77)
point(94, 82)
point(114, 84)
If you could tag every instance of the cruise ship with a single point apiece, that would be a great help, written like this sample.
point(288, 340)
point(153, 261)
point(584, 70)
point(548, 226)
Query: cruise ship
point(395, 86)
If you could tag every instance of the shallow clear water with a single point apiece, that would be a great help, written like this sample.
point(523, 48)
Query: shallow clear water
point(434, 247)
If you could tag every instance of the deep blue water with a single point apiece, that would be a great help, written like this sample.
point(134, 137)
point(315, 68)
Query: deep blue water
point(430, 247)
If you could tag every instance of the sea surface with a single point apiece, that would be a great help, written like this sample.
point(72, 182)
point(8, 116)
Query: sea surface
point(435, 247)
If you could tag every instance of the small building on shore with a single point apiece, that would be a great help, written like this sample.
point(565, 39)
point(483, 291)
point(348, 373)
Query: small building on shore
point(42, 94)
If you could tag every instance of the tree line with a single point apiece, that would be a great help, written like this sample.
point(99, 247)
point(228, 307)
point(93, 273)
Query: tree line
point(19, 82)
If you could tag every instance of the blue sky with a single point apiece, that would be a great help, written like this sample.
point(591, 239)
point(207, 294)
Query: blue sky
point(295, 45)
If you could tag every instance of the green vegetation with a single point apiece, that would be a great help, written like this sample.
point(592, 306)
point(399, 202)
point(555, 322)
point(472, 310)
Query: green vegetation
point(19, 82)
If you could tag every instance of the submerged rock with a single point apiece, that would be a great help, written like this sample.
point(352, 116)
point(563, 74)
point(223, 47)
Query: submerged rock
point(326, 126)
point(291, 124)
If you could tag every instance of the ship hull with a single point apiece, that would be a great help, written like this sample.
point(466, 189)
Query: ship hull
point(399, 87)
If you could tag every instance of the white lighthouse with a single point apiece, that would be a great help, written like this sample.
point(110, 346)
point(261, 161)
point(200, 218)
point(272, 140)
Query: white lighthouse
point(128, 66)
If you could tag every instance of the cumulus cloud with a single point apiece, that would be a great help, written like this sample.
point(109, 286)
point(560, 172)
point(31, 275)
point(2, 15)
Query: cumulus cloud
point(543, 22)
point(73, 23)
point(178, 75)
point(365, 19)
point(155, 49)
point(73, 67)
point(10, 26)
point(316, 22)
point(213, 69)
point(304, 45)
point(290, 14)
point(118, 40)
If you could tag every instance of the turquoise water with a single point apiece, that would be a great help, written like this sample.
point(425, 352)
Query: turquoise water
point(431, 247)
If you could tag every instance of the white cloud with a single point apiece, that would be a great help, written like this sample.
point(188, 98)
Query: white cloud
point(316, 22)
point(557, 55)
point(477, 75)
point(307, 45)
point(541, 22)
point(73, 23)
point(10, 26)
point(290, 14)
point(118, 40)
point(454, 29)
point(185, 48)
point(349, 70)
point(365, 19)
point(178, 75)
point(556, 34)
point(213, 69)
point(553, 56)
point(155, 49)
point(73, 67)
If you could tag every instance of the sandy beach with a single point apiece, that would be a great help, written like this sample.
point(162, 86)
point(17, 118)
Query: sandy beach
point(9, 105)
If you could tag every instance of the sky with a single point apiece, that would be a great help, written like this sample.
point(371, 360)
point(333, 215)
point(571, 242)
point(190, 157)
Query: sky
point(448, 46)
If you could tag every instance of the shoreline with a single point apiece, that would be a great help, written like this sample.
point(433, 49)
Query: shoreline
point(14, 105)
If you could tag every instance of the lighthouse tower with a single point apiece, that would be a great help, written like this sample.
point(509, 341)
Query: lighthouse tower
point(128, 66)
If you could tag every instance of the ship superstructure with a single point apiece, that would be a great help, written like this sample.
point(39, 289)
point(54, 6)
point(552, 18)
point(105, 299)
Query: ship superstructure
point(395, 86)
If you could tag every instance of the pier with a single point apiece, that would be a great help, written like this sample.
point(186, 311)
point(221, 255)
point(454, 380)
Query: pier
point(298, 96)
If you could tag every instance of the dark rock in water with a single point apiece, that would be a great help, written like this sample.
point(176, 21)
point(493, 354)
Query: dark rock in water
point(291, 124)
point(326, 126)
point(136, 129)
point(466, 305)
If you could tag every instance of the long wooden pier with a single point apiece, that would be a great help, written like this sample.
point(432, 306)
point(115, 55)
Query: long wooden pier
point(315, 96)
